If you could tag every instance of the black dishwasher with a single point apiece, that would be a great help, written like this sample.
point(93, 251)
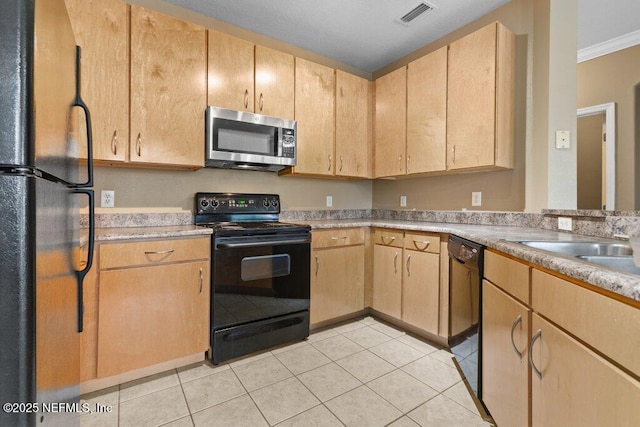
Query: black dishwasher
point(466, 261)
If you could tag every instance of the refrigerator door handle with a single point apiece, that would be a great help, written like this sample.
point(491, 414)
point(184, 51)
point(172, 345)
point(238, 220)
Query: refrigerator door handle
point(80, 274)
point(78, 102)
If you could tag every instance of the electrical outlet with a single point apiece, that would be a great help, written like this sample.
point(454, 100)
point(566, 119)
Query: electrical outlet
point(565, 224)
point(329, 201)
point(476, 198)
point(107, 198)
point(403, 201)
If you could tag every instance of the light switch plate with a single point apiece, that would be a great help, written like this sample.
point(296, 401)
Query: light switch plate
point(565, 224)
point(563, 139)
point(403, 201)
point(329, 201)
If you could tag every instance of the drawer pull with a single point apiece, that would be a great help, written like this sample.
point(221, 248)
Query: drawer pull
point(426, 244)
point(339, 238)
point(201, 280)
point(513, 328)
point(533, 365)
point(170, 251)
point(384, 242)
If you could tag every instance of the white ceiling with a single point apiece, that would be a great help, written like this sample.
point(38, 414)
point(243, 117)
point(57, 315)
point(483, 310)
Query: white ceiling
point(365, 35)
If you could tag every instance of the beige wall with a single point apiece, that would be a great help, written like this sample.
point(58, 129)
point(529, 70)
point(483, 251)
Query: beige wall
point(166, 188)
point(590, 162)
point(503, 190)
point(613, 78)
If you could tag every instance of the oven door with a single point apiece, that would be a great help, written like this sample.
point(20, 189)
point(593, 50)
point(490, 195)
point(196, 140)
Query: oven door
point(259, 277)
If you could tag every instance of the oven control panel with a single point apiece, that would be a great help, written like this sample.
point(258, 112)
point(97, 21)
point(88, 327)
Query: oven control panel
point(226, 203)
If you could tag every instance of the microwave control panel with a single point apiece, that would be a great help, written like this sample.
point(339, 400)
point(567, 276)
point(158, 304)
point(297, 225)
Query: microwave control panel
point(288, 143)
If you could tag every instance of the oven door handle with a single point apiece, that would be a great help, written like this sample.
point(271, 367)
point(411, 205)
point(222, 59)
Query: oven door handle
point(262, 243)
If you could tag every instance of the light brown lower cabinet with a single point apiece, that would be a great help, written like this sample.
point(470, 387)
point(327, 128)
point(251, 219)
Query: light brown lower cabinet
point(337, 273)
point(421, 290)
point(387, 280)
point(542, 375)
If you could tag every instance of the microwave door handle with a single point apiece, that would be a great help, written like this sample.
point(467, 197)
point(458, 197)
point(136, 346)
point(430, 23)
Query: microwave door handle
point(258, 244)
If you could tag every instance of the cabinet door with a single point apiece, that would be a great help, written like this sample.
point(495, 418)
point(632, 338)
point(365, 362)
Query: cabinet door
point(274, 83)
point(315, 114)
point(505, 373)
point(101, 29)
point(391, 121)
point(353, 153)
point(150, 315)
point(427, 113)
point(472, 100)
point(230, 81)
point(387, 280)
point(337, 282)
point(168, 89)
point(578, 387)
point(421, 290)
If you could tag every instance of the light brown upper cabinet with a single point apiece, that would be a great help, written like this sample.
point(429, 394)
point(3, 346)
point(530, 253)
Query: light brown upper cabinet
point(101, 29)
point(390, 123)
point(427, 113)
point(353, 126)
point(274, 83)
point(168, 90)
point(315, 114)
point(231, 69)
point(480, 100)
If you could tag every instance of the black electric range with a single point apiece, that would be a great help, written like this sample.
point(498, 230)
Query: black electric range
point(260, 273)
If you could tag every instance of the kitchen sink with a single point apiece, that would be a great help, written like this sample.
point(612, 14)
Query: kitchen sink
point(620, 263)
point(574, 248)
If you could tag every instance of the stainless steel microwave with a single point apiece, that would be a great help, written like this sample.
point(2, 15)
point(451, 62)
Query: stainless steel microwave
point(241, 140)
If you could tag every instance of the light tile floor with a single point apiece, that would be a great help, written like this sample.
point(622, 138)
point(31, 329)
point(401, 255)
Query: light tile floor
point(360, 373)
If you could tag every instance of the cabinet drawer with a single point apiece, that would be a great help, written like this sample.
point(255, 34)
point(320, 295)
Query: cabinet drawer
point(608, 325)
point(386, 237)
point(423, 242)
point(142, 252)
point(337, 237)
point(510, 275)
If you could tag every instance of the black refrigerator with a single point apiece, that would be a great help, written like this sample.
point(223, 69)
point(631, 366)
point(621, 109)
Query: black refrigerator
point(43, 185)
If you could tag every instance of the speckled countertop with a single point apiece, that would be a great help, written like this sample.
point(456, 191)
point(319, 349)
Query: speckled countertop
point(128, 233)
point(503, 238)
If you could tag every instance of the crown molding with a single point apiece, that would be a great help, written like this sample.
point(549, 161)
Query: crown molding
point(609, 46)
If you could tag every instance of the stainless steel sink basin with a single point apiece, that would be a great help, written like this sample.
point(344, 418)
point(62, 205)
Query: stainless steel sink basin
point(619, 263)
point(574, 248)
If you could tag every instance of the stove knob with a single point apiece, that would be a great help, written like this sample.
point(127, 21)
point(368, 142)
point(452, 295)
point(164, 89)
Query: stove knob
point(274, 203)
point(265, 203)
point(215, 203)
point(204, 203)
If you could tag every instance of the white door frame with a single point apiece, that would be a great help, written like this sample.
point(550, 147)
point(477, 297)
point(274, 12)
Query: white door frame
point(609, 110)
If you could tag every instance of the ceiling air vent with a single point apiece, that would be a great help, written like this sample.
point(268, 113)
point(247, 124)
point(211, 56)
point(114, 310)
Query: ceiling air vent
point(414, 13)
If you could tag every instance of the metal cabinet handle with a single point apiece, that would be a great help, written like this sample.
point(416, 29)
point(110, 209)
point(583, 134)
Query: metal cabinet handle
point(261, 102)
point(340, 163)
point(400, 163)
point(533, 365)
point(409, 266)
point(391, 239)
point(513, 328)
point(339, 238)
point(169, 251)
point(408, 163)
point(201, 280)
point(329, 165)
point(317, 266)
point(395, 263)
point(138, 145)
point(426, 244)
point(454, 154)
point(114, 143)
point(246, 98)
